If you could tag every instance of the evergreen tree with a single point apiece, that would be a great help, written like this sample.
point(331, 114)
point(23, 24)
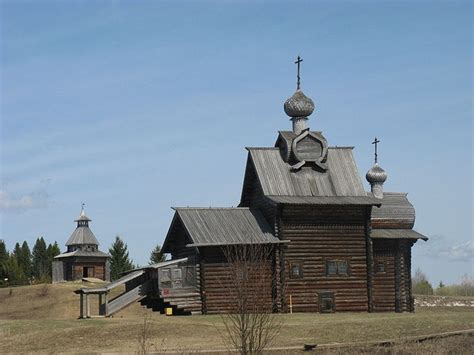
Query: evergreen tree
point(40, 259)
point(17, 268)
point(157, 256)
point(25, 260)
point(4, 256)
point(52, 251)
point(119, 261)
point(55, 249)
point(15, 274)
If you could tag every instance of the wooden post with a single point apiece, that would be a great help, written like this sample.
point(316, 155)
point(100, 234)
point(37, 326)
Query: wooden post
point(106, 305)
point(370, 260)
point(411, 304)
point(88, 306)
point(82, 306)
point(101, 308)
point(397, 277)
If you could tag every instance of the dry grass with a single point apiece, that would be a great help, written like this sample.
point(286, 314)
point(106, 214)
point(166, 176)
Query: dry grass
point(462, 344)
point(29, 323)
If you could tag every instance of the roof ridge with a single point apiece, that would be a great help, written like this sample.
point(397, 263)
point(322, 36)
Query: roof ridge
point(262, 148)
point(210, 208)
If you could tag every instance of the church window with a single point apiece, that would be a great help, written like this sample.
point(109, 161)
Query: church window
point(380, 266)
point(337, 268)
point(296, 270)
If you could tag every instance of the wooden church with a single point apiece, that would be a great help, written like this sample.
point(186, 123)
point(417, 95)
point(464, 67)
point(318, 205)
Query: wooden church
point(334, 246)
point(337, 246)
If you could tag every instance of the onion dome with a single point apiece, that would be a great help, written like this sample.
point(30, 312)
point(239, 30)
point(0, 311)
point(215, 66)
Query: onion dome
point(376, 175)
point(299, 105)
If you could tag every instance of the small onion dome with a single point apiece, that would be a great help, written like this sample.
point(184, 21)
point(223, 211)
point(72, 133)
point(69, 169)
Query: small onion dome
point(299, 105)
point(376, 174)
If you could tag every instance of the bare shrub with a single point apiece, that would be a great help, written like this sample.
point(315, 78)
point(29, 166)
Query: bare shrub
point(250, 325)
point(464, 288)
point(420, 284)
point(43, 291)
point(144, 336)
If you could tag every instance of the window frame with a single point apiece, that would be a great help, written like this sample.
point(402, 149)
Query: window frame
point(377, 268)
point(337, 273)
point(299, 265)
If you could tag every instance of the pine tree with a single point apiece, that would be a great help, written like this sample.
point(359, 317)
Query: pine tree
point(25, 260)
point(40, 259)
point(52, 251)
point(4, 256)
point(55, 250)
point(157, 256)
point(15, 274)
point(119, 261)
point(17, 267)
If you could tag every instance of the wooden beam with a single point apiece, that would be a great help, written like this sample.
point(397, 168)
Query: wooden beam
point(370, 260)
point(106, 305)
point(82, 306)
point(88, 307)
point(398, 278)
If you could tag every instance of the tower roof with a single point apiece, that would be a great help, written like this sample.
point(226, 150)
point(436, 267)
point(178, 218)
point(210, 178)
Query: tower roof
point(82, 234)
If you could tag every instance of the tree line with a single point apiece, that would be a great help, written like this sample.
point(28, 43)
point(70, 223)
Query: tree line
point(421, 286)
point(22, 266)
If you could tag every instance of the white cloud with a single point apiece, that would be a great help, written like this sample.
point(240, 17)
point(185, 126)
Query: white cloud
point(459, 252)
point(33, 200)
point(442, 247)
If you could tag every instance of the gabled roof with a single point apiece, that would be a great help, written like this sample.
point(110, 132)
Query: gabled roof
point(395, 206)
point(277, 179)
point(82, 235)
point(222, 226)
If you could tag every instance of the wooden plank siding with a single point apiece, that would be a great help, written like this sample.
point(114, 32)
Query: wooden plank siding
point(318, 235)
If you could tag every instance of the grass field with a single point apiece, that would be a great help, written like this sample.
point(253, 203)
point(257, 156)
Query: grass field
point(32, 323)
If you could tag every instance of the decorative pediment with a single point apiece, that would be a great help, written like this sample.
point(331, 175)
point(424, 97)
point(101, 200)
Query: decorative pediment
point(310, 147)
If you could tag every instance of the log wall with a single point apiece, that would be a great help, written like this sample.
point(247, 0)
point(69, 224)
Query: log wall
point(318, 235)
point(217, 285)
point(392, 287)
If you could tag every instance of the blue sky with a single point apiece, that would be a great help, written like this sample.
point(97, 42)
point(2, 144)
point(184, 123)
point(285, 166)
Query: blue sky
point(133, 107)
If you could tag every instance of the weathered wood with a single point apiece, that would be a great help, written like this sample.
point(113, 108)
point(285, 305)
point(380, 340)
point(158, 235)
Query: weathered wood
point(319, 235)
point(370, 260)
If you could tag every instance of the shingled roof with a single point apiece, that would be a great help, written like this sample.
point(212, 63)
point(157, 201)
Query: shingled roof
point(277, 179)
point(89, 253)
point(82, 235)
point(222, 226)
point(395, 206)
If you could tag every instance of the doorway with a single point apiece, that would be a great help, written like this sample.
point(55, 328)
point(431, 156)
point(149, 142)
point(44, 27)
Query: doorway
point(326, 302)
point(88, 271)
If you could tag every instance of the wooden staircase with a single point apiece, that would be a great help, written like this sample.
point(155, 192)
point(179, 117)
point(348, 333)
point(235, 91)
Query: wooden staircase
point(142, 285)
point(182, 303)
